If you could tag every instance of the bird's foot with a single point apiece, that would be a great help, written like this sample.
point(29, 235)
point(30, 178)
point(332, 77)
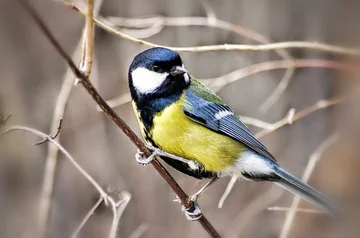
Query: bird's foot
point(141, 159)
point(192, 213)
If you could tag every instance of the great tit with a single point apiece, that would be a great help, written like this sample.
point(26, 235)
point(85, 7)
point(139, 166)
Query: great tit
point(184, 118)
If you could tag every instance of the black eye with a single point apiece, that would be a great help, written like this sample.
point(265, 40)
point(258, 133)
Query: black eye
point(156, 68)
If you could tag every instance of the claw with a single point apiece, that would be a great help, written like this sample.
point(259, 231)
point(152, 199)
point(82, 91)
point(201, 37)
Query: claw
point(139, 156)
point(192, 213)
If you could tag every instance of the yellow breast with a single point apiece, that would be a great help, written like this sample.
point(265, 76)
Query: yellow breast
point(175, 133)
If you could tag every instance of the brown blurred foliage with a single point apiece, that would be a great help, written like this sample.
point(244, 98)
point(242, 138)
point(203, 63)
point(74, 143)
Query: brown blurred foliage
point(30, 80)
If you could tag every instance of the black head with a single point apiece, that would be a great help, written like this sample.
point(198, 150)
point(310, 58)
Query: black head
point(157, 72)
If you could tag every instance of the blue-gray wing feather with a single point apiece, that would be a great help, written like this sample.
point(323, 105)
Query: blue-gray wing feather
point(207, 114)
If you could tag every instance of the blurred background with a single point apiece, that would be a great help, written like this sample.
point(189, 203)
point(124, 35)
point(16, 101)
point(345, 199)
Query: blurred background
point(31, 78)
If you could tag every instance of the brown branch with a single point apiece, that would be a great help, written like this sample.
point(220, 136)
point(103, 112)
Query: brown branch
point(119, 122)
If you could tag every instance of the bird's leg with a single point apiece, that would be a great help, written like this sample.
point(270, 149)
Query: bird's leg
point(158, 152)
point(194, 213)
point(196, 195)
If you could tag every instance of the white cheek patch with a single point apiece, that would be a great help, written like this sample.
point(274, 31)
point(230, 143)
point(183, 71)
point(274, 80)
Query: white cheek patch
point(146, 81)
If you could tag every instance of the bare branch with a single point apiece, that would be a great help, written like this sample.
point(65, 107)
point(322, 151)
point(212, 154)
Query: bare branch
point(279, 90)
point(210, 13)
point(221, 81)
point(228, 189)
point(51, 158)
point(292, 116)
point(137, 233)
point(126, 129)
point(314, 158)
point(106, 198)
point(256, 206)
point(62, 149)
point(303, 210)
point(87, 217)
point(52, 136)
point(256, 122)
point(121, 205)
point(226, 47)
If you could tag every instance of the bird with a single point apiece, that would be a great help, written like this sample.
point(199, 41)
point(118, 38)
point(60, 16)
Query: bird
point(195, 132)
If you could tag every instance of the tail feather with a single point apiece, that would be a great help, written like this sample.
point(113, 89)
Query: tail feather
point(296, 186)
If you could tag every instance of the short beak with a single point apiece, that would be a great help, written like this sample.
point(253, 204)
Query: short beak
point(178, 70)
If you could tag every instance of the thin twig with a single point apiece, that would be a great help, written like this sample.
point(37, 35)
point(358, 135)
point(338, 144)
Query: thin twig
point(138, 232)
point(52, 136)
point(279, 90)
point(226, 47)
point(124, 127)
point(121, 205)
point(314, 158)
point(62, 149)
point(303, 210)
point(223, 80)
point(44, 220)
point(256, 122)
point(228, 189)
point(107, 199)
point(87, 217)
point(292, 117)
point(210, 13)
point(256, 206)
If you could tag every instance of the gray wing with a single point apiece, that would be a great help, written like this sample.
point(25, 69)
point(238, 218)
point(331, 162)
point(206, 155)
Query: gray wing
point(221, 119)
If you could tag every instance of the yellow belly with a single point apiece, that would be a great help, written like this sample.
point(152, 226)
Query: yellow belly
point(175, 133)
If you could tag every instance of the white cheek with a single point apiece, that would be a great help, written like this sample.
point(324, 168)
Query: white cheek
point(146, 81)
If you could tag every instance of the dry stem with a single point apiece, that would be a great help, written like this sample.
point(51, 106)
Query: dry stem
point(314, 158)
point(51, 158)
point(233, 47)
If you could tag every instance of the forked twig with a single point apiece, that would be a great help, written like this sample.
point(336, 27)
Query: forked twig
point(52, 136)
